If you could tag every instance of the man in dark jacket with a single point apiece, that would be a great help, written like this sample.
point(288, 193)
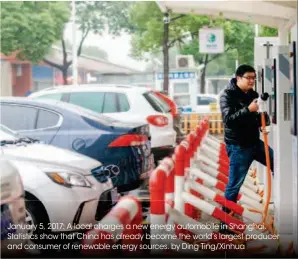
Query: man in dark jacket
point(238, 104)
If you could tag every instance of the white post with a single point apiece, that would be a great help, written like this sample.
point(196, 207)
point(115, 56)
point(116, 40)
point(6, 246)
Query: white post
point(256, 30)
point(74, 46)
point(283, 36)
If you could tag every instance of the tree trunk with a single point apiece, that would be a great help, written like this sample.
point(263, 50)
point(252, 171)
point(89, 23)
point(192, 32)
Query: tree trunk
point(64, 74)
point(203, 75)
point(202, 81)
point(166, 59)
point(215, 86)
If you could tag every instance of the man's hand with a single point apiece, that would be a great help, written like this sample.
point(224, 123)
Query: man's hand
point(264, 131)
point(253, 107)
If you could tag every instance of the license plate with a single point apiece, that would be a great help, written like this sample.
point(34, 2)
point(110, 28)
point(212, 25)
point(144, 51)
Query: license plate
point(147, 148)
point(114, 195)
point(151, 161)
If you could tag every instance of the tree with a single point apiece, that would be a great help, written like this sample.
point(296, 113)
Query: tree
point(183, 32)
point(154, 60)
point(96, 17)
point(30, 28)
point(239, 42)
point(224, 65)
point(268, 32)
point(152, 30)
point(91, 51)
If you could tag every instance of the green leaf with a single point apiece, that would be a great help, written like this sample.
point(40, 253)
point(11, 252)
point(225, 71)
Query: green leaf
point(30, 28)
point(148, 36)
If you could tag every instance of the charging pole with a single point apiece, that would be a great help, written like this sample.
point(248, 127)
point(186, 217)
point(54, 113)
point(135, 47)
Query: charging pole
point(294, 133)
point(267, 85)
point(264, 85)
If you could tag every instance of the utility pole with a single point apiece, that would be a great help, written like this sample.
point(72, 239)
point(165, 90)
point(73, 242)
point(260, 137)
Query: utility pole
point(165, 50)
point(236, 63)
point(167, 20)
point(74, 45)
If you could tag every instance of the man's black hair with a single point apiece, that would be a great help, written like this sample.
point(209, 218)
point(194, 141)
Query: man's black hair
point(242, 69)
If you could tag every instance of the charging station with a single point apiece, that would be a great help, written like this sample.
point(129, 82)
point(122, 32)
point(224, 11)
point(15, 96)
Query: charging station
point(282, 144)
point(278, 77)
point(264, 51)
point(282, 87)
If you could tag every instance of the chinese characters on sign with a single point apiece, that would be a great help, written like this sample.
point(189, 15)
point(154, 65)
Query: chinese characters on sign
point(177, 75)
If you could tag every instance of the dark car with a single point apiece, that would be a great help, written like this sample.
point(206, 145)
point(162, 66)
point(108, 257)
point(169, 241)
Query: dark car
point(123, 148)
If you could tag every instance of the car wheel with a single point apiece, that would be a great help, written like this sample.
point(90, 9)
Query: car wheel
point(30, 222)
point(36, 216)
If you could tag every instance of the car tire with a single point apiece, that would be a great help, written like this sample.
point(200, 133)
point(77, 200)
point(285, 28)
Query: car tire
point(37, 216)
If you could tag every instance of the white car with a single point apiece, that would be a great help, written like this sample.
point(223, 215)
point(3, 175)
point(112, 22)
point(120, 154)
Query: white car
point(62, 188)
point(12, 207)
point(206, 103)
point(124, 103)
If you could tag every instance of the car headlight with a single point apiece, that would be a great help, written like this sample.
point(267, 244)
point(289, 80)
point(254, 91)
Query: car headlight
point(68, 179)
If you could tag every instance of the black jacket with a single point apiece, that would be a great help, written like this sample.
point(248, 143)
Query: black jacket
point(241, 126)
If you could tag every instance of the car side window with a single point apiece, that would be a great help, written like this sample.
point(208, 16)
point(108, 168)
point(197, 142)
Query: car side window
point(110, 103)
point(18, 117)
point(204, 100)
point(123, 103)
point(57, 96)
point(89, 100)
point(47, 119)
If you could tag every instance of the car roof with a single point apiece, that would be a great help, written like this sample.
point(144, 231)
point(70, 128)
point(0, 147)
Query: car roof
point(61, 107)
point(54, 105)
point(50, 104)
point(93, 87)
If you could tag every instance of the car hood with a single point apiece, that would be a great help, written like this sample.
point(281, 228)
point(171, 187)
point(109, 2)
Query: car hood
point(52, 156)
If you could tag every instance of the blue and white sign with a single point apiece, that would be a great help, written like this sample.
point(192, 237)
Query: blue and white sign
point(177, 75)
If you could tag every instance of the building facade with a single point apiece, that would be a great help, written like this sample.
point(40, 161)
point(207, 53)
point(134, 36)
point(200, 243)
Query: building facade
point(19, 78)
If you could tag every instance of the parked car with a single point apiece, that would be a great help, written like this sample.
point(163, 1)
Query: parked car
point(62, 188)
point(124, 103)
point(12, 207)
point(177, 120)
point(123, 148)
point(206, 103)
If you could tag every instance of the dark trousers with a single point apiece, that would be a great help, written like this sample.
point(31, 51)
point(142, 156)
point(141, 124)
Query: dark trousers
point(240, 161)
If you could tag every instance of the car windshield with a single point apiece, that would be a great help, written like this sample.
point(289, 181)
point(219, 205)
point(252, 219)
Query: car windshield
point(7, 134)
point(205, 100)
